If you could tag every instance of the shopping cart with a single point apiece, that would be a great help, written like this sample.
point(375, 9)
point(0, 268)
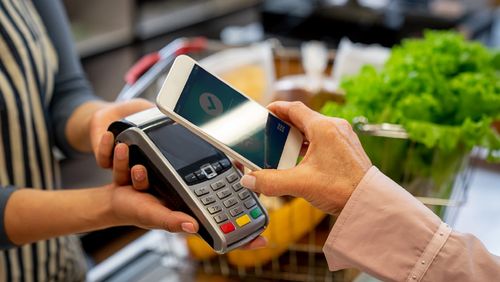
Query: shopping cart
point(439, 179)
point(300, 256)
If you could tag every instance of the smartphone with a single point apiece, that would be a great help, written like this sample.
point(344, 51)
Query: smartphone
point(226, 118)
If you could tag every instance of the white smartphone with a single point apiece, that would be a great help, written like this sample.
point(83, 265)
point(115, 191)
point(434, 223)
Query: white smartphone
point(226, 118)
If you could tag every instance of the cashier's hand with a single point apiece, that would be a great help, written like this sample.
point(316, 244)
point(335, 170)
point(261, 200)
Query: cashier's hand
point(132, 207)
point(103, 141)
point(153, 211)
point(333, 165)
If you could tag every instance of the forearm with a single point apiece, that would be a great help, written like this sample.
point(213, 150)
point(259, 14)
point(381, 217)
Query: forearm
point(71, 89)
point(32, 215)
point(463, 258)
point(386, 232)
point(77, 129)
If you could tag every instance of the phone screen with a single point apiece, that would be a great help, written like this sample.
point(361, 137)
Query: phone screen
point(239, 123)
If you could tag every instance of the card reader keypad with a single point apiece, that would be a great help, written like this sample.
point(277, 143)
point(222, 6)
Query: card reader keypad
point(230, 204)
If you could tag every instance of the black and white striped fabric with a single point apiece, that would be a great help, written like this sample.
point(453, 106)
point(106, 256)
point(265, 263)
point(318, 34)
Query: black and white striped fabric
point(28, 64)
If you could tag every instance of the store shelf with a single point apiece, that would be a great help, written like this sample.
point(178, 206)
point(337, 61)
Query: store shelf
point(99, 42)
point(157, 17)
point(95, 30)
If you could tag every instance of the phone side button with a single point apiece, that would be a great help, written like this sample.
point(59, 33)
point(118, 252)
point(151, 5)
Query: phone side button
point(227, 227)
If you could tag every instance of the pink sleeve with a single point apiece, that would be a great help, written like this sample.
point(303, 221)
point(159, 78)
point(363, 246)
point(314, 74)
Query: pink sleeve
point(384, 231)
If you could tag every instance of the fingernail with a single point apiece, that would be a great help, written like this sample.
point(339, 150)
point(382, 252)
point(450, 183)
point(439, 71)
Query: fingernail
point(139, 175)
point(120, 153)
point(248, 181)
point(188, 227)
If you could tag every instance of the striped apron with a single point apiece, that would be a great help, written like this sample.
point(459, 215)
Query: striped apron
point(28, 63)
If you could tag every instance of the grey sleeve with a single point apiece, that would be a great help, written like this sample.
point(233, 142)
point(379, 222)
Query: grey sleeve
point(71, 87)
point(5, 194)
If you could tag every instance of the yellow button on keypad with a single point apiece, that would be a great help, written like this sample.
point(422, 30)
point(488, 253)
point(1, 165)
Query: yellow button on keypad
point(243, 220)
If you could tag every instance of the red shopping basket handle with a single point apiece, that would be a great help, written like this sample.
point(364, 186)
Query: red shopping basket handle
point(194, 45)
point(139, 68)
point(145, 63)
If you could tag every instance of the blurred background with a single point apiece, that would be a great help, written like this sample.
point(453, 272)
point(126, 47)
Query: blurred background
point(275, 50)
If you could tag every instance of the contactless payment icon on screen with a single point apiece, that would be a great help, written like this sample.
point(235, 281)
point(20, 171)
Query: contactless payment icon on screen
point(211, 104)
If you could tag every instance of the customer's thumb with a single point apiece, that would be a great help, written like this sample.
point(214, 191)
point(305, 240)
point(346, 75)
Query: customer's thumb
point(270, 182)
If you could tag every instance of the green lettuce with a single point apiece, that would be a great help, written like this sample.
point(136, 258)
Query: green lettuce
point(444, 90)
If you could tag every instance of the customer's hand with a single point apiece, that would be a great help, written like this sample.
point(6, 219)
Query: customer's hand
point(103, 141)
point(331, 169)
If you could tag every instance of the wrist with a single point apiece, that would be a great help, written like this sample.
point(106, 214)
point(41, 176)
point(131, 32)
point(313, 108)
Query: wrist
point(105, 216)
point(351, 188)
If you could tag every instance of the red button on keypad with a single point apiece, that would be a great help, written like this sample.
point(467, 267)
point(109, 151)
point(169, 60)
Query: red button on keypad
point(227, 227)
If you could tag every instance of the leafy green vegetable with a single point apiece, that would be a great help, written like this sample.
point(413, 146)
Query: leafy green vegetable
point(443, 89)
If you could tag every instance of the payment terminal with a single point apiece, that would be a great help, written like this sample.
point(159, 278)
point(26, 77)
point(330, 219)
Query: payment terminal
point(192, 176)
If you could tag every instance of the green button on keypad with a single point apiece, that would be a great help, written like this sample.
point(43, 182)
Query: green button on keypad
point(255, 213)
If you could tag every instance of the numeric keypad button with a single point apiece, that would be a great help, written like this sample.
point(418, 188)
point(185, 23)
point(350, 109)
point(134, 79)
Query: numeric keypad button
point(201, 191)
point(220, 218)
point(237, 186)
point(214, 209)
point(223, 193)
point(244, 194)
point(236, 211)
point(232, 177)
point(230, 202)
point(250, 203)
point(208, 200)
point(217, 185)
